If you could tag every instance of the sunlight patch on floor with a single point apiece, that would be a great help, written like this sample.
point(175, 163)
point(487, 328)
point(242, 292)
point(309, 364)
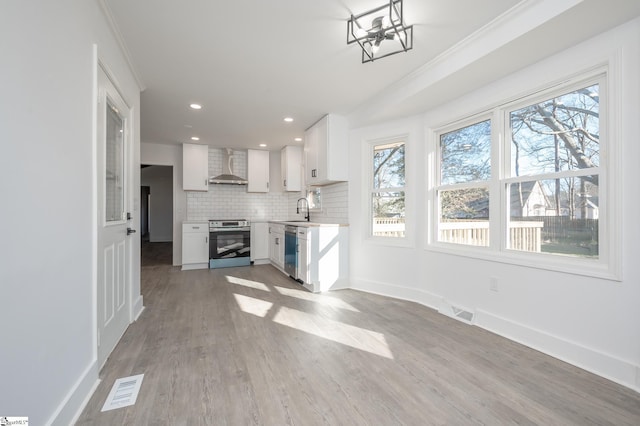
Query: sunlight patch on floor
point(321, 299)
point(356, 337)
point(247, 283)
point(253, 306)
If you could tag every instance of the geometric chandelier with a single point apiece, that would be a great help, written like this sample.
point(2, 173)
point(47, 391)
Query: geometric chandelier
point(380, 32)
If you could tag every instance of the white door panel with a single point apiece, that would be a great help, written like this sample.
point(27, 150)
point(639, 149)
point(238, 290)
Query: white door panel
point(114, 262)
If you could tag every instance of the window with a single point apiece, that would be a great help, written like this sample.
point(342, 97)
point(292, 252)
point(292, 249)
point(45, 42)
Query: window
point(387, 200)
point(555, 144)
point(463, 194)
point(544, 191)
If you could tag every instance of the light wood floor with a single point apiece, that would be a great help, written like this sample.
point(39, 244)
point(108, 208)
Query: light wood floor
point(241, 346)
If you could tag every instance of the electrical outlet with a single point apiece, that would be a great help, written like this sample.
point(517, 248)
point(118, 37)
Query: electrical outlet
point(493, 284)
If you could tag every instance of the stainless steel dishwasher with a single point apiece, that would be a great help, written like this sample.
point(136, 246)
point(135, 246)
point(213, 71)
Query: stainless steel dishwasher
point(291, 250)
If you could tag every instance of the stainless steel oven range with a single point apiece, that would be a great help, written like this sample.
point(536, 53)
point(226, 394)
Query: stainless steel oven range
point(229, 243)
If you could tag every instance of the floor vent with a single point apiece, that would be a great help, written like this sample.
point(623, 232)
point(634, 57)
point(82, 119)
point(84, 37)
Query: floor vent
point(456, 312)
point(462, 314)
point(123, 393)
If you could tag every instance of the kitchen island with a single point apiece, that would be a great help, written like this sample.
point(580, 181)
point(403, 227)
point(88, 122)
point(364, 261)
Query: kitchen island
point(314, 254)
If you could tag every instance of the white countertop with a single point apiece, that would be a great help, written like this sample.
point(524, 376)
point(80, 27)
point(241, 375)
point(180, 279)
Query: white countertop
point(305, 224)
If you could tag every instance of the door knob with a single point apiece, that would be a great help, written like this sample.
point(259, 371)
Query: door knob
point(130, 231)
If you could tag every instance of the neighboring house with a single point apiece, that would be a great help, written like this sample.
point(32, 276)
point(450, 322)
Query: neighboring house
point(528, 199)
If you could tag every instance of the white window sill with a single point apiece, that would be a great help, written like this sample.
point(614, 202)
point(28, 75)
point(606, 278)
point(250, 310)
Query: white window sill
point(596, 268)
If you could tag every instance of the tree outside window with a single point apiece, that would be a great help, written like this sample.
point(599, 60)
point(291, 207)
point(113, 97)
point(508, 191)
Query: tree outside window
point(463, 193)
point(556, 143)
point(387, 193)
point(549, 193)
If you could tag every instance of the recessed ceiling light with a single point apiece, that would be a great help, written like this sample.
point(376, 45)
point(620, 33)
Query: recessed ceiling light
point(188, 126)
point(195, 106)
point(298, 139)
point(195, 138)
point(263, 145)
point(288, 119)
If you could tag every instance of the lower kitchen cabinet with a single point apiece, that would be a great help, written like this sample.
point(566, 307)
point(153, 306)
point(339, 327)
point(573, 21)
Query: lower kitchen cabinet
point(259, 242)
point(195, 245)
point(276, 245)
point(303, 255)
point(322, 255)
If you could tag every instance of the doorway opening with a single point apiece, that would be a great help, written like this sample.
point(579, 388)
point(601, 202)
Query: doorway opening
point(156, 215)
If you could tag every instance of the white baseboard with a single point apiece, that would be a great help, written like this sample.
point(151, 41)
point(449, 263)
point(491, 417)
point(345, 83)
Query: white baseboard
point(605, 365)
point(74, 402)
point(161, 239)
point(138, 307)
point(405, 293)
point(592, 360)
point(193, 266)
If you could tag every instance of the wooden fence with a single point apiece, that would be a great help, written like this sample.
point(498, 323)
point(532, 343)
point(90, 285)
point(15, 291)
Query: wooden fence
point(525, 236)
point(388, 226)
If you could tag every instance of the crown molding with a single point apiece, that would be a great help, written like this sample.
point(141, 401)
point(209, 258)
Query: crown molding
point(520, 19)
point(115, 30)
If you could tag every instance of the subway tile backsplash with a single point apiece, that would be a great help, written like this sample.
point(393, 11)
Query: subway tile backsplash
point(234, 202)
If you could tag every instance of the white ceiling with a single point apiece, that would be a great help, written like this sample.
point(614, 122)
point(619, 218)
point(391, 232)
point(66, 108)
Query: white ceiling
point(251, 63)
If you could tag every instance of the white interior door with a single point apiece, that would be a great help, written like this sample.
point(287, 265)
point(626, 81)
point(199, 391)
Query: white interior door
point(114, 261)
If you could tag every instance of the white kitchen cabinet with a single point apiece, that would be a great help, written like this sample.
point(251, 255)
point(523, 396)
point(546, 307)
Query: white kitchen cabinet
point(276, 245)
point(195, 245)
point(195, 167)
point(323, 254)
point(291, 166)
point(326, 151)
point(303, 254)
point(323, 257)
point(257, 170)
point(260, 242)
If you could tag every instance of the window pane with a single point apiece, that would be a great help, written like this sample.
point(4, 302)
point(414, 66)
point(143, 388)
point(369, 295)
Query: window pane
point(464, 216)
point(388, 214)
point(465, 154)
point(114, 166)
point(388, 166)
point(555, 216)
point(558, 134)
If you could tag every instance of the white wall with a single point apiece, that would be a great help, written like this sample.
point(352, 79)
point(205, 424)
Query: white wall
point(159, 179)
point(593, 323)
point(48, 327)
point(170, 155)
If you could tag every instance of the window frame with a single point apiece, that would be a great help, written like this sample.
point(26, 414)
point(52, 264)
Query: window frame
point(607, 265)
point(370, 149)
point(487, 184)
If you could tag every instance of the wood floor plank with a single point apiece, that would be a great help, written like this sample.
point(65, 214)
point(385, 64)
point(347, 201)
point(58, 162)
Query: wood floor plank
point(248, 346)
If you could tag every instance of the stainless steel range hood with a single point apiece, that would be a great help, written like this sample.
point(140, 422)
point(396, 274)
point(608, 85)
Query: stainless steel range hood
point(227, 176)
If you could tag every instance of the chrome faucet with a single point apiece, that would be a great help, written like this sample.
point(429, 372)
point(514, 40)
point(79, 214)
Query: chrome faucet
point(298, 208)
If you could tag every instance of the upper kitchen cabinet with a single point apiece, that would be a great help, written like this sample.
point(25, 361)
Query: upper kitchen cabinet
point(195, 167)
point(257, 170)
point(291, 166)
point(326, 149)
